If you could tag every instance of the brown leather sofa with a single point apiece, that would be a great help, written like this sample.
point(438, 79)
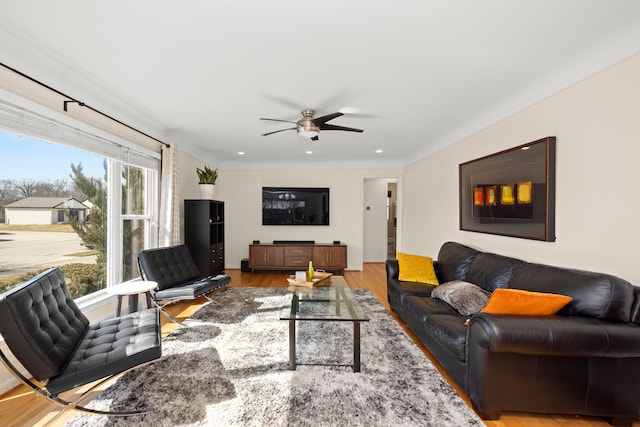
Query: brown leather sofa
point(583, 360)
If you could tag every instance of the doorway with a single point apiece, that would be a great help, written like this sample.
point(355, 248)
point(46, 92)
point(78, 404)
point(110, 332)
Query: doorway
point(380, 219)
point(392, 218)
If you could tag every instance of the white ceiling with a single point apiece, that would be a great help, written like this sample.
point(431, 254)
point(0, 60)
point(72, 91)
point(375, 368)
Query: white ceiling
point(200, 73)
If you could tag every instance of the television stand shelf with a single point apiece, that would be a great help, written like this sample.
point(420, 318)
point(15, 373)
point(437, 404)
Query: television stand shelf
point(296, 256)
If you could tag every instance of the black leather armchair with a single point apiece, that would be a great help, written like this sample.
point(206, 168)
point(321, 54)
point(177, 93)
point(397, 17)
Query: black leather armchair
point(49, 335)
point(177, 275)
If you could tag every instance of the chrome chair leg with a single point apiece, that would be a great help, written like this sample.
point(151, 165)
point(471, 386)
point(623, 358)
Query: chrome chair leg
point(61, 402)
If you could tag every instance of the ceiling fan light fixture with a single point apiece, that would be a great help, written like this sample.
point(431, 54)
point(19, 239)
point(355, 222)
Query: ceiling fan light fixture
point(308, 133)
point(307, 129)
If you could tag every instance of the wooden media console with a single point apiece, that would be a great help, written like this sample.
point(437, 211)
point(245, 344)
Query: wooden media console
point(296, 256)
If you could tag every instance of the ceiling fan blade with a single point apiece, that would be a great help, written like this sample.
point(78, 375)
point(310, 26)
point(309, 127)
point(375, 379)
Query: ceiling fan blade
point(281, 130)
point(361, 115)
point(284, 101)
point(349, 111)
point(334, 100)
point(336, 127)
point(319, 121)
point(277, 120)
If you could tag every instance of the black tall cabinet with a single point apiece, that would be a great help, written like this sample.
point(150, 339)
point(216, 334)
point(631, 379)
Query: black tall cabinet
point(204, 234)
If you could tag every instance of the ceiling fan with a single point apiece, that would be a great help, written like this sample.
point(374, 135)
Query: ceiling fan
point(310, 127)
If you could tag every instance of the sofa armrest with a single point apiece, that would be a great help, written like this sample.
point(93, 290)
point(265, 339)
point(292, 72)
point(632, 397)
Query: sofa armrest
point(404, 287)
point(554, 336)
point(393, 269)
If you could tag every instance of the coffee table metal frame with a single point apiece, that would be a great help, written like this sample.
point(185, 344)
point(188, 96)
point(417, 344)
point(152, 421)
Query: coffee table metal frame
point(338, 304)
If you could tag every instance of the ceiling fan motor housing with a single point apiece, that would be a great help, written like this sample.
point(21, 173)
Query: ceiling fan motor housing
point(306, 125)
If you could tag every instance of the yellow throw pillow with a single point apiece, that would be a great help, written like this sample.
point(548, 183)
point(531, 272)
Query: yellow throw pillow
point(416, 268)
point(518, 301)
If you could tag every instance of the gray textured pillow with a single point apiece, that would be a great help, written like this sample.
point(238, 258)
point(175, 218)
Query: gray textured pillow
point(465, 297)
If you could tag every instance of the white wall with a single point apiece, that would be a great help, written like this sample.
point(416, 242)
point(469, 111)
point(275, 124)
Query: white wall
point(597, 125)
point(188, 183)
point(241, 190)
point(375, 220)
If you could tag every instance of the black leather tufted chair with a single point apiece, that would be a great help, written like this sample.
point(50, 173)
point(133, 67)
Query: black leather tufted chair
point(177, 275)
point(49, 335)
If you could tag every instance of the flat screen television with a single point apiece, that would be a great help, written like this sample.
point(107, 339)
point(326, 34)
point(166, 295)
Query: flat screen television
point(295, 206)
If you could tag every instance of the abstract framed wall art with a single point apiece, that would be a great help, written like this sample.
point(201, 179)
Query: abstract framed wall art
point(511, 193)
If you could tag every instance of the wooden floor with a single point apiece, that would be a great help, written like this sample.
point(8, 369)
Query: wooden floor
point(21, 407)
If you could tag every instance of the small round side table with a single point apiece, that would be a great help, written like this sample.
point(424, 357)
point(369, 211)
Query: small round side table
point(132, 289)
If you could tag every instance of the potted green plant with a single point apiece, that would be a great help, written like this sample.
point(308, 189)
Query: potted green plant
point(206, 180)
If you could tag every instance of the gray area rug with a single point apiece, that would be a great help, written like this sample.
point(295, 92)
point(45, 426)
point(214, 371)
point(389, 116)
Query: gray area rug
point(230, 368)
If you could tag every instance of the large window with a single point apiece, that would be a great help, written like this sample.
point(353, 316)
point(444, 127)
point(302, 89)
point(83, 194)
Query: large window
point(81, 203)
point(136, 217)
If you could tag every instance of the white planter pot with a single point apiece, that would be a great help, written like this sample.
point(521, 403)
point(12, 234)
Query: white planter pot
point(206, 191)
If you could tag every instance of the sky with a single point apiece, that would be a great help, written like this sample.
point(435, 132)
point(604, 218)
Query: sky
point(24, 157)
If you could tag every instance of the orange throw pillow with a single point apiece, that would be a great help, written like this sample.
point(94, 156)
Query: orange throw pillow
point(518, 301)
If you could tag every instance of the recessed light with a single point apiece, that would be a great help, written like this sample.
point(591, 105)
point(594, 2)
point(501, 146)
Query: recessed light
point(241, 153)
point(525, 148)
point(309, 152)
point(378, 151)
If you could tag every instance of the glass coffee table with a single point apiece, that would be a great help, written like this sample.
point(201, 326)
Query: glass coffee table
point(334, 303)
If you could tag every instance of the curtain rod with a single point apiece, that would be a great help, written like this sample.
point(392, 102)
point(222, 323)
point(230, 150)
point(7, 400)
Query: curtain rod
point(82, 104)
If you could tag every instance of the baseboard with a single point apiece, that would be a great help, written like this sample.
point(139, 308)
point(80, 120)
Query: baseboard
point(7, 380)
point(8, 383)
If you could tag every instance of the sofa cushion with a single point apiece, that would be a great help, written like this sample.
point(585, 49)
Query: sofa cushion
point(450, 332)
point(416, 268)
point(521, 302)
point(422, 308)
point(454, 260)
point(594, 294)
point(465, 297)
point(412, 288)
point(491, 271)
